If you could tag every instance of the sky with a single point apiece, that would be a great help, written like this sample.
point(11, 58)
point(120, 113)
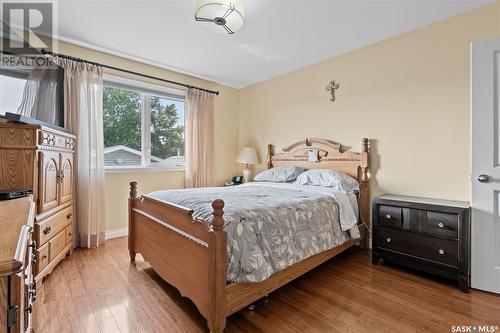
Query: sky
point(179, 106)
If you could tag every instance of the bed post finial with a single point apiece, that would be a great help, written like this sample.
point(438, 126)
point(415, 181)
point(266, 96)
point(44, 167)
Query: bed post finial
point(131, 201)
point(269, 156)
point(133, 190)
point(218, 221)
point(364, 196)
point(364, 145)
point(217, 270)
point(364, 160)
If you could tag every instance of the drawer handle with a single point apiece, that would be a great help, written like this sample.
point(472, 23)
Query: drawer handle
point(441, 252)
point(441, 224)
point(46, 230)
point(44, 257)
point(388, 239)
point(388, 216)
point(69, 215)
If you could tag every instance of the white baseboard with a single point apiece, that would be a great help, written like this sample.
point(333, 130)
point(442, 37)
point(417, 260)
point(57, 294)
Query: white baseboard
point(115, 233)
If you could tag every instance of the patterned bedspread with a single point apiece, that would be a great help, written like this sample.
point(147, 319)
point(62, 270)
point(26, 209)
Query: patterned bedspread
point(271, 226)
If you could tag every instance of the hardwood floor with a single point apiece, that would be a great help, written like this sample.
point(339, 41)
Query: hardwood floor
point(100, 291)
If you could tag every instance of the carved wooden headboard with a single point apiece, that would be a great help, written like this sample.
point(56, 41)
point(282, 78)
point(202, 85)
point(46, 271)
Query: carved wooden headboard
point(329, 156)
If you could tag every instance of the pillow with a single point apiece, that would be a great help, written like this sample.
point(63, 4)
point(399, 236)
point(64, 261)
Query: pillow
point(280, 174)
point(330, 178)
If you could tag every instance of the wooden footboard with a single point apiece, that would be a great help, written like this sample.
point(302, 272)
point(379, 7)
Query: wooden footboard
point(187, 253)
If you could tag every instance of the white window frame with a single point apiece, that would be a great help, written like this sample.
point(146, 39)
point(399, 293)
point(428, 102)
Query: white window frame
point(146, 90)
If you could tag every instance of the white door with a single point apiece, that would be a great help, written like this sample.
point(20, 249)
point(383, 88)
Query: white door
point(485, 196)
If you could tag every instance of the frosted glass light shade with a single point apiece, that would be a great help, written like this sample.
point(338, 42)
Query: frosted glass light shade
point(247, 156)
point(221, 16)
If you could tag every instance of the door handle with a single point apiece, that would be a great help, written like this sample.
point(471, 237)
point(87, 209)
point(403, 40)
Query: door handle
point(483, 178)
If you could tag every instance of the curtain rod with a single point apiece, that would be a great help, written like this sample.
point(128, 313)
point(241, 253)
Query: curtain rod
point(59, 55)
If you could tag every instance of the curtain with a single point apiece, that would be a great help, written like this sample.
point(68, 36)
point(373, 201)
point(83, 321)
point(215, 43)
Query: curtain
point(41, 95)
point(83, 89)
point(200, 139)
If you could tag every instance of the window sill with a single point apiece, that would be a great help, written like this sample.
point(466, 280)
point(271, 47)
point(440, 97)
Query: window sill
point(140, 169)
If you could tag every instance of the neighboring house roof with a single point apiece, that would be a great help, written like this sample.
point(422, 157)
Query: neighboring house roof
point(121, 155)
point(172, 162)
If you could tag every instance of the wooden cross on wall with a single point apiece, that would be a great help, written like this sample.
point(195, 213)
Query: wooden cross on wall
point(331, 87)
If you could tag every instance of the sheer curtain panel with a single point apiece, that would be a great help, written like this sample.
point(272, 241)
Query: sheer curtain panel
point(83, 115)
point(200, 154)
point(41, 95)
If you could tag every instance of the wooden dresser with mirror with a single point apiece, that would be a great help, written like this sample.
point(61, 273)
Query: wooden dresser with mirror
point(40, 158)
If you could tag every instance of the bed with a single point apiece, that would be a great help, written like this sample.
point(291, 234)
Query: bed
point(224, 261)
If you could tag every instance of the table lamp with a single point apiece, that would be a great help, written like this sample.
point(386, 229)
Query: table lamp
point(247, 156)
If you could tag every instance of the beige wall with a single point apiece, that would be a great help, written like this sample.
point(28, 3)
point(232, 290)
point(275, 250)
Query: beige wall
point(408, 94)
point(226, 137)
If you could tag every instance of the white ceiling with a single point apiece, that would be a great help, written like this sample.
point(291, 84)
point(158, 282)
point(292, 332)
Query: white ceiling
point(279, 36)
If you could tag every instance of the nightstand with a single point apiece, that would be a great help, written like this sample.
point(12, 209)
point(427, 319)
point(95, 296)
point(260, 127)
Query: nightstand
point(430, 235)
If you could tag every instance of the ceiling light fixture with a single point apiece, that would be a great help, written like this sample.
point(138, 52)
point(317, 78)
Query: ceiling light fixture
point(222, 16)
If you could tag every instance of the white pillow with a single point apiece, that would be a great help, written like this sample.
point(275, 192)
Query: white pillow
point(330, 178)
point(280, 174)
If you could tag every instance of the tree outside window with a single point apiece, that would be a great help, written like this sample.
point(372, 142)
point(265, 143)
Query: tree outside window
point(125, 131)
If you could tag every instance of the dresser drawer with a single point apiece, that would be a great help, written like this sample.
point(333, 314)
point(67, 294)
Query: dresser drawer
point(51, 226)
point(435, 249)
point(390, 216)
point(42, 258)
point(57, 244)
point(69, 234)
point(442, 224)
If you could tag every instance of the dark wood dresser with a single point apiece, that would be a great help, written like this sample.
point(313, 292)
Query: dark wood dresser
point(41, 159)
point(430, 235)
point(17, 288)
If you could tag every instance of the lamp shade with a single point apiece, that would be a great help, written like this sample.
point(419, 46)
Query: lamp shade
point(222, 16)
point(247, 156)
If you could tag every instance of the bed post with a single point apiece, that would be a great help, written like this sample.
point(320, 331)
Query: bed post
point(269, 156)
point(131, 199)
point(364, 195)
point(217, 270)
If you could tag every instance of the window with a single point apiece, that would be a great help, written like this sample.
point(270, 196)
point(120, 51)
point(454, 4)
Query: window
point(11, 90)
point(142, 128)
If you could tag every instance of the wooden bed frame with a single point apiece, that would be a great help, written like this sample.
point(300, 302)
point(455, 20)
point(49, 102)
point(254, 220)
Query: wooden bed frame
point(190, 254)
